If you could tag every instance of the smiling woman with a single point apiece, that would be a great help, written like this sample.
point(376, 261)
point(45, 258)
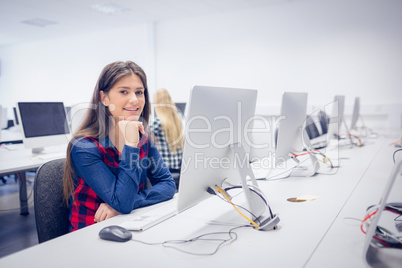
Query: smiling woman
point(110, 156)
point(127, 98)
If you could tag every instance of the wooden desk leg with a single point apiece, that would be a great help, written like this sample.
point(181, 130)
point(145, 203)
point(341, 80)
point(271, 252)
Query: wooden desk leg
point(22, 182)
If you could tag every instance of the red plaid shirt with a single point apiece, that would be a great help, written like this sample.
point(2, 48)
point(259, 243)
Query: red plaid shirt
point(87, 201)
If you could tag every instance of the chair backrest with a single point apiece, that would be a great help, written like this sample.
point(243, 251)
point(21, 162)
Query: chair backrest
point(51, 212)
point(311, 128)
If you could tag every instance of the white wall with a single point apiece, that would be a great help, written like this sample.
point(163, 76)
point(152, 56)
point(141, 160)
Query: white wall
point(345, 47)
point(350, 47)
point(67, 69)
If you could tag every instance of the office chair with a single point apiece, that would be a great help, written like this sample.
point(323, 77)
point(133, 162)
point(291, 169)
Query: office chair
point(176, 177)
point(324, 121)
point(311, 125)
point(311, 128)
point(51, 212)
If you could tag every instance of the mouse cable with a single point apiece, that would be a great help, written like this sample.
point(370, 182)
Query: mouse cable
point(169, 243)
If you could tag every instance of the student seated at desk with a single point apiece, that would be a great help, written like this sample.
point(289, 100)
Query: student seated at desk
point(110, 156)
point(168, 132)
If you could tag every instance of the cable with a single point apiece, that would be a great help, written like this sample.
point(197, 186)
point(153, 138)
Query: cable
point(393, 156)
point(2, 146)
point(167, 244)
point(396, 142)
point(230, 201)
point(359, 144)
point(224, 199)
point(382, 235)
point(325, 158)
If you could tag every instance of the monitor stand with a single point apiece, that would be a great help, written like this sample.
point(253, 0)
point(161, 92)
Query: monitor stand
point(254, 202)
point(306, 167)
point(348, 134)
point(374, 256)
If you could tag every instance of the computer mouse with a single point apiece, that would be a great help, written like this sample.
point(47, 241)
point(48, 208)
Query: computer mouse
point(115, 233)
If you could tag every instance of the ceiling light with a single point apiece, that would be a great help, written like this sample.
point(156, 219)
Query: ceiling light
point(39, 22)
point(109, 8)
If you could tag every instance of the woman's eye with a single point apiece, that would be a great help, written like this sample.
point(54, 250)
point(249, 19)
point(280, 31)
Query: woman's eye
point(140, 92)
point(123, 92)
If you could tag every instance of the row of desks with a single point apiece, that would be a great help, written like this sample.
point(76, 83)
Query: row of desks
point(316, 233)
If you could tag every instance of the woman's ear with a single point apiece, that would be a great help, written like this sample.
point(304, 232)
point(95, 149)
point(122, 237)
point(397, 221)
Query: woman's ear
point(104, 98)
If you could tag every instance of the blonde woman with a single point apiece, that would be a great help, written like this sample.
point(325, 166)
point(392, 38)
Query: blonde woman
point(168, 132)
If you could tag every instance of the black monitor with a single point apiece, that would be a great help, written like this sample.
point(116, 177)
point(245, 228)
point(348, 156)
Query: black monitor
point(181, 107)
point(16, 116)
point(43, 124)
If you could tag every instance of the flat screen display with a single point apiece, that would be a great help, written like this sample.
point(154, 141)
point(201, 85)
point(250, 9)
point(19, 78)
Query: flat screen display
point(43, 118)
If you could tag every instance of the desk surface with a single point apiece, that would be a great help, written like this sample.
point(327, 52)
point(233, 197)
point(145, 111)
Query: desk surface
point(308, 235)
point(15, 158)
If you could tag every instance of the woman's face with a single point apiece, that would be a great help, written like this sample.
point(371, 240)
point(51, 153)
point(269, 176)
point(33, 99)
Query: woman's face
point(126, 99)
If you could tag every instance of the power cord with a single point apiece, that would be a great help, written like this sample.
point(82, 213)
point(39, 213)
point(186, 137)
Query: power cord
point(382, 236)
point(266, 224)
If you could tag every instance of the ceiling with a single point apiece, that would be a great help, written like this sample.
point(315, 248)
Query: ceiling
point(30, 20)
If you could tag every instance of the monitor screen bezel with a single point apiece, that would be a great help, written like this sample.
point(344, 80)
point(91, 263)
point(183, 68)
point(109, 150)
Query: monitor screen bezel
point(37, 143)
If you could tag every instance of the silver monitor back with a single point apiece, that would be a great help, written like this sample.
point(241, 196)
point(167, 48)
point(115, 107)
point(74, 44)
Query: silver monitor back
point(216, 119)
point(336, 117)
point(1, 120)
point(290, 134)
point(355, 114)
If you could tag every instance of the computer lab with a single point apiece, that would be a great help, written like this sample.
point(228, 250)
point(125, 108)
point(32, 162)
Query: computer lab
point(199, 133)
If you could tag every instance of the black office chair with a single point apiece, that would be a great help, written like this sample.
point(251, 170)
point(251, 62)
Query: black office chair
point(311, 128)
point(176, 177)
point(324, 122)
point(51, 212)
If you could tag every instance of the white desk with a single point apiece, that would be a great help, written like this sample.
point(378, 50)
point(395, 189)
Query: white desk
point(11, 135)
point(18, 160)
point(342, 245)
point(299, 241)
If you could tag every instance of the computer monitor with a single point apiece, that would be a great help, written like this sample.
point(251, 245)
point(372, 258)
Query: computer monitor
point(4, 120)
point(291, 125)
point(181, 107)
point(43, 124)
point(336, 117)
point(219, 122)
point(1, 119)
point(355, 114)
point(17, 122)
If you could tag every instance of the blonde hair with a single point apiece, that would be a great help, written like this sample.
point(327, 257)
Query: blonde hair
point(166, 110)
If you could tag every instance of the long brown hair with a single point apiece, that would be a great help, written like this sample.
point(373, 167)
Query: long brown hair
point(96, 121)
point(166, 110)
